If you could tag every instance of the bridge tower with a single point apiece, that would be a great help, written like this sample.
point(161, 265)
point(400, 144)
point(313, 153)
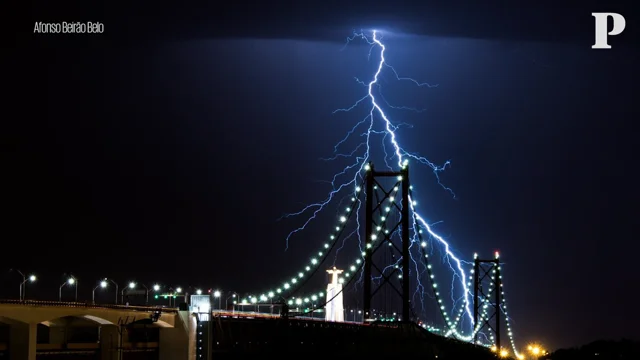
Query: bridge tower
point(335, 304)
point(487, 270)
point(375, 203)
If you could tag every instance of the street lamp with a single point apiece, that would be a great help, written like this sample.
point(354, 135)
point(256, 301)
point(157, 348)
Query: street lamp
point(199, 292)
point(146, 294)
point(234, 295)
point(132, 286)
point(156, 287)
point(71, 281)
point(102, 284)
point(536, 350)
point(105, 283)
point(217, 294)
point(23, 286)
point(172, 296)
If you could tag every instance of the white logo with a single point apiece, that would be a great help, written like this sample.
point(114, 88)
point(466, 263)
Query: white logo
point(602, 32)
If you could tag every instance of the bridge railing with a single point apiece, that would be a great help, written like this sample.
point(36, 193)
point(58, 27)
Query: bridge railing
point(87, 304)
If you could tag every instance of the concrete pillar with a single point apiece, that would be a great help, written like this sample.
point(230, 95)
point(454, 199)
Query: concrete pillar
point(23, 341)
point(174, 344)
point(110, 342)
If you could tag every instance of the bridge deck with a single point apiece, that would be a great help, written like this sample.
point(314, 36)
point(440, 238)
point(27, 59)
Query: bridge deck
point(235, 336)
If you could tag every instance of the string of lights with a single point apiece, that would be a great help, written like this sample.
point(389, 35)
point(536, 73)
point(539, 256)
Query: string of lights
point(507, 319)
point(347, 277)
point(289, 288)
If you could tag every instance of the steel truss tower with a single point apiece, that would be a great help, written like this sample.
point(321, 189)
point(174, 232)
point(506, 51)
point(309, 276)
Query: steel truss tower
point(371, 247)
point(482, 270)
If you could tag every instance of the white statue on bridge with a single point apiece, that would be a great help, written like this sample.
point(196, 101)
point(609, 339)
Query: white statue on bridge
point(334, 308)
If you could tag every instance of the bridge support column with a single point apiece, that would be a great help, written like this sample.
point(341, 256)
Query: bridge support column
point(23, 341)
point(110, 342)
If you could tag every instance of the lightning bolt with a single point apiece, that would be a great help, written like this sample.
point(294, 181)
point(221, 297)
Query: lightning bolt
point(360, 155)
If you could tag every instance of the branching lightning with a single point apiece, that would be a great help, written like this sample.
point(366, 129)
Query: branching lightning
point(360, 155)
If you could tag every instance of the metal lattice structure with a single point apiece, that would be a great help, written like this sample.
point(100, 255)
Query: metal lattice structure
point(487, 272)
point(373, 205)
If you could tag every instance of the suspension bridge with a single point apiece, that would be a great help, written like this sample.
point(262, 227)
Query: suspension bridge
point(286, 317)
point(413, 294)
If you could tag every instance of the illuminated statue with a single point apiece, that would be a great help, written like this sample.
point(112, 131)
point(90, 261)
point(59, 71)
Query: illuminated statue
point(334, 308)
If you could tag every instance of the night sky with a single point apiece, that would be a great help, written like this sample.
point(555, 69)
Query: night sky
point(167, 148)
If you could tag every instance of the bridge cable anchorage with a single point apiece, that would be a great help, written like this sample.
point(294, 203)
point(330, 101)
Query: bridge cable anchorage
point(314, 262)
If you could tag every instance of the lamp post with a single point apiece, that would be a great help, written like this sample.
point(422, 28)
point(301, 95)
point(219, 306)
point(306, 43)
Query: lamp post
point(233, 295)
point(178, 291)
point(217, 294)
point(23, 286)
point(102, 284)
point(146, 294)
point(536, 351)
point(132, 285)
point(116, 285)
point(71, 281)
point(122, 292)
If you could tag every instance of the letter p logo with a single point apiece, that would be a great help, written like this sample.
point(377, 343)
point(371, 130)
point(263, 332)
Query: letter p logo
point(602, 33)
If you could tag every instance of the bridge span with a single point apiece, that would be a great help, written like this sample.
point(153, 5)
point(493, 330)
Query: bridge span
point(31, 330)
